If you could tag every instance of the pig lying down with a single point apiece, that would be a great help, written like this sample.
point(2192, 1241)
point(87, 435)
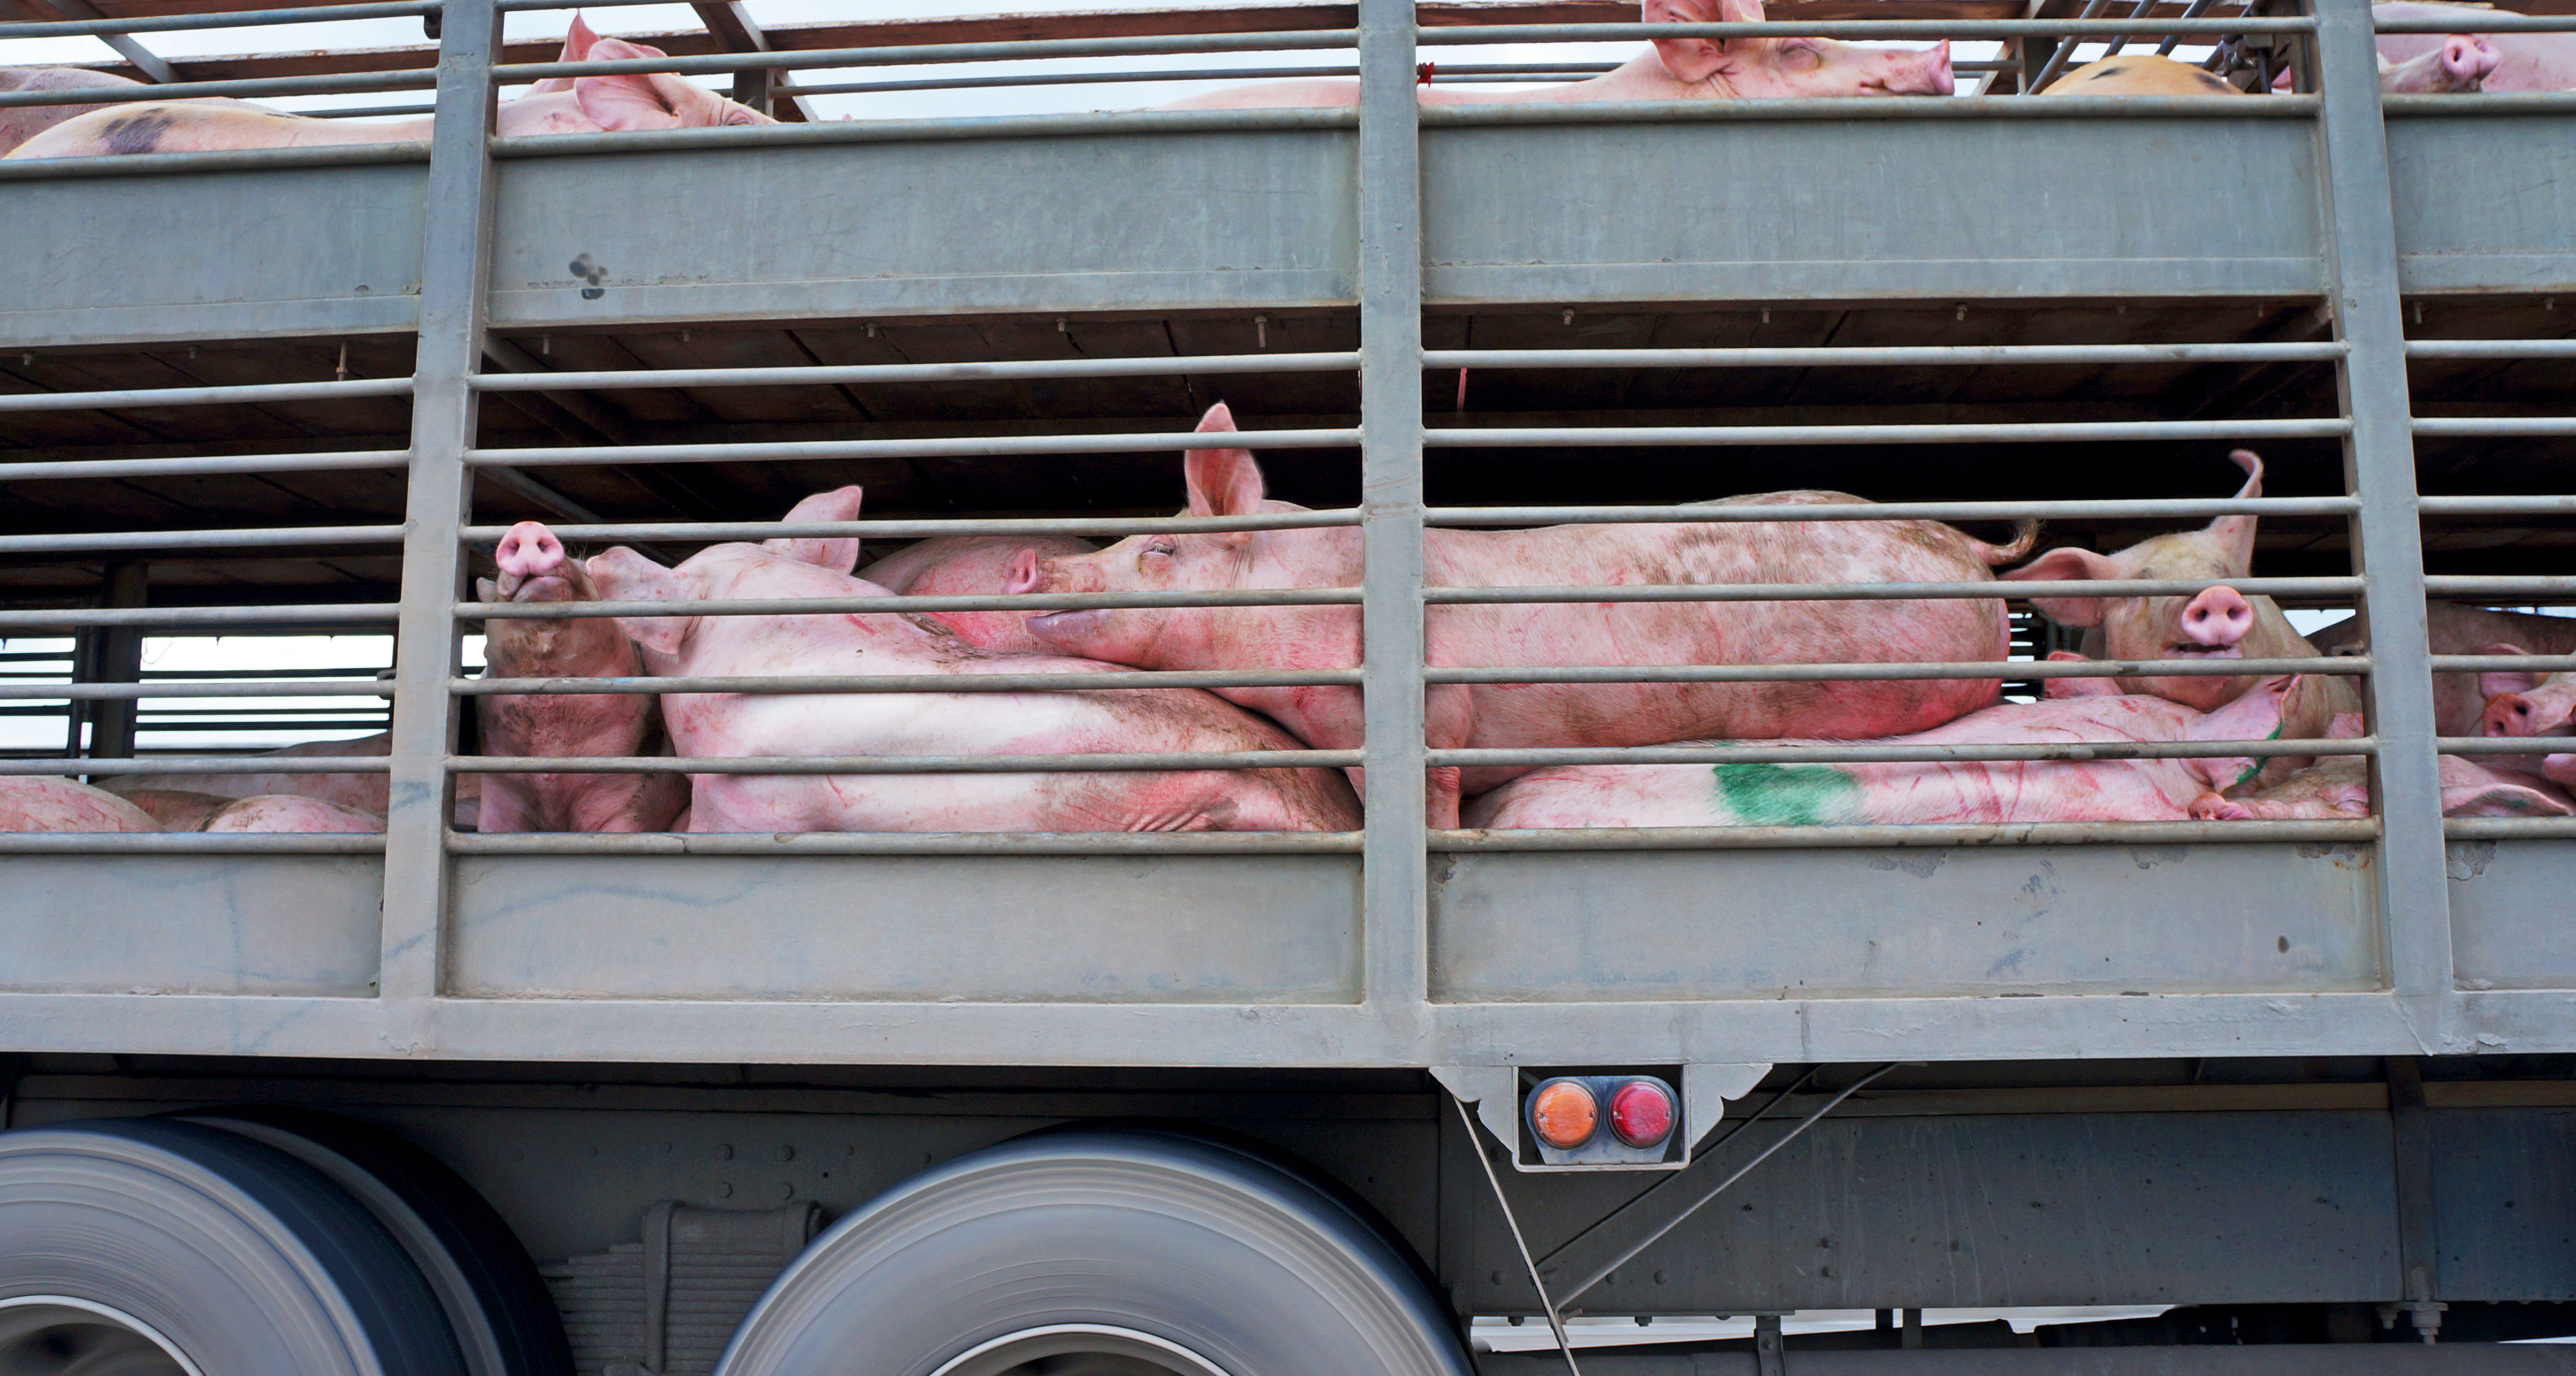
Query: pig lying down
point(19, 123)
point(577, 105)
point(38, 804)
point(1674, 69)
point(2340, 787)
point(534, 568)
point(1227, 482)
point(2458, 64)
point(2015, 792)
point(965, 565)
point(1071, 721)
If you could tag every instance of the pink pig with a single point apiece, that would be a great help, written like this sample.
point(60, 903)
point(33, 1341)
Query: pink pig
point(958, 565)
point(533, 568)
point(2513, 61)
point(1674, 69)
point(2011, 792)
point(560, 105)
point(44, 803)
point(1071, 721)
point(1226, 482)
point(273, 812)
point(2340, 787)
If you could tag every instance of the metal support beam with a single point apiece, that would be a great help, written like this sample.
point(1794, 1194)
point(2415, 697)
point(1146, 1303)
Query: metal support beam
point(2387, 532)
point(2419, 1242)
point(153, 66)
point(1391, 498)
point(758, 87)
point(454, 266)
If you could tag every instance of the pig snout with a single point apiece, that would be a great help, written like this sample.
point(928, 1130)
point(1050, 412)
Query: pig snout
point(2218, 618)
point(2469, 59)
point(529, 555)
point(2507, 714)
point(1924, 73)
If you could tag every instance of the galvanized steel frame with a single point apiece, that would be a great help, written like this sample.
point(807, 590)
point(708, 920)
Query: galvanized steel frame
point(1397, 1020)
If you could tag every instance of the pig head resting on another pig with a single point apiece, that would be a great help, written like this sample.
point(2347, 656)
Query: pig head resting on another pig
point(1227, 482)
point(1674, 69)
point(2217, 623)
point(2011, 792)
point(577, 105)
point(960, 565)
point(534, 568)
point(2458, 64)
point(2340, 787)
point(1072, 721)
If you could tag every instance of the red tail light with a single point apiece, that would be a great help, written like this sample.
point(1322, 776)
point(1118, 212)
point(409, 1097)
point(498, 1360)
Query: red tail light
point(1564, 1114)
point(1641, 1113)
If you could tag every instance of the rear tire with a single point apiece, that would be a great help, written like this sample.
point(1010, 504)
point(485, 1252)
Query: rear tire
point(1144, 1252)
point(497, 1305)
point(168, 1247)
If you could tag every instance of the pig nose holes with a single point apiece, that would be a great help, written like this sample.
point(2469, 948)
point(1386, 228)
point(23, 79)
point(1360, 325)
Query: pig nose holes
point(592, 273)
point(2508, 714)
point(2217, 617)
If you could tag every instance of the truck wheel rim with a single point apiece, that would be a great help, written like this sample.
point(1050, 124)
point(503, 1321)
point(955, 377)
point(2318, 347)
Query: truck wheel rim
point(45, 1333)
point(1148, 1355)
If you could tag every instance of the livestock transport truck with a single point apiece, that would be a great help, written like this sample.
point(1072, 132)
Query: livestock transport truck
point(2295, 1096)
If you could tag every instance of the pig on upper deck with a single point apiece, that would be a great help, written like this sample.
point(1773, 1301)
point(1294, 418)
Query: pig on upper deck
point(2008, 792)
point(2459, 63)
point(962, 565)
point(1069, 721)
point(534, 568)
point(19, 123)
point(1227, 482)
point(1674, 69)
point(577, 105)
point(2518, 62)
point(2217, 623)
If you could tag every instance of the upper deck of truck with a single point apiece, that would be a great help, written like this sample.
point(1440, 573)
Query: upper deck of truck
point(1007, 322)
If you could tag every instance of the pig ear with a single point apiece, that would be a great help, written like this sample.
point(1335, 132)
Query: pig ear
point(2499, 797)
point(2066, 565)
point(663, 635)
point(2076, 687)
point(643, 100)
point(2235, 534)
point(2498, 681)
point(576, 48)
point(485, 590)
point(840, 554)
point(1222, 482)
point(1694, 60)
point(622, 575)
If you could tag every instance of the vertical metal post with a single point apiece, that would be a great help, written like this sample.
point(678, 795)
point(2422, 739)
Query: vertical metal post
point(2387, 532)
point(120, 660)
point(453, 270)
point(1390, 287)
point(2419, 1243)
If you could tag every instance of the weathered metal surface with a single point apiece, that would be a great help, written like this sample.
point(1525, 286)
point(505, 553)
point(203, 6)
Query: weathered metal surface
point(2339, 1359)
point(2460, 227)
point(190, 925)
point(1064, 224)
point(1057, 928)
point(1767, 925)
point(2502, 1199)
point(240, 255)
point(2509, 914)
point(1659, 212)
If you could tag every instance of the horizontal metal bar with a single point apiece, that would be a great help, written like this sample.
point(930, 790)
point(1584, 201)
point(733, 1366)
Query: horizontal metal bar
point(187, 843)
point(2478, 585)
point(415, 79)
point(208, 396)
point(1847, 108)
point(2485, 664)
point(198, 616)
point(2497, 506)
point(1452, 35)
point(2153, 508)
point(1567, 71)
point(917, 843)
point(1884, 356)
point(227, 160)
point(902, 529)
point(910, 683)
point(2491, 348)
point(960, 602)
point(2020, 432)
point(2509, 828)
point(2494, 426)
point(1875, 752)
point(830, 132)
point(367, 111)
point(2504, 745)
point(1009, 50)
point(1103, 763)
point(220, 19)
point(2484, 21)
point(285, 536)
point(1892, 592)
point(1837, 673)
point(208, 764)
point(250, 688)
point(1770, 838)
point(199, 465)
point(993, 446)
point(2496, 104)
point(857, 374)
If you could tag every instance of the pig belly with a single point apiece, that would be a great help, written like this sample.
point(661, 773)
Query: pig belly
point(291, 813)
point(1205, 800)
point(32, 804)
point(572, 726)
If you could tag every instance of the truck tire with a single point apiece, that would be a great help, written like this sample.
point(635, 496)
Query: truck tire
point(1147, 1252)
point(120, 1237)
point(497, 1305)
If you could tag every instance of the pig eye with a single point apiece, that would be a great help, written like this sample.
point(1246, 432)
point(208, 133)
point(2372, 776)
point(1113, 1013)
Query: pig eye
point(1800, 57)
point(1163, 548)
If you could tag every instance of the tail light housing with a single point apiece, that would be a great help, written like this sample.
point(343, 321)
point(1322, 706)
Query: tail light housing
point(1617, 1120)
